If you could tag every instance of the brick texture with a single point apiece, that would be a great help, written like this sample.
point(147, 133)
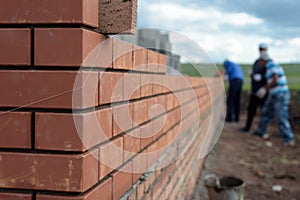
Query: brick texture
point(16, 44)
point(122, 55)
point(64, 46)
point(49, 172)
point(49, 12)
point(111, 156)
point(110, 87)
point(117, 16)
point(48, 89)
point(122, 181)
point(15, 130)
point(8, 196)
point(139, 59)
point(103, 191)
point(84, 130)
point(153, 61)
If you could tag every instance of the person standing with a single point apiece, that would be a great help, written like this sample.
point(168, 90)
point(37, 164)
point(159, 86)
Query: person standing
point(236, 78)
point(277, 101)
point(258, 80)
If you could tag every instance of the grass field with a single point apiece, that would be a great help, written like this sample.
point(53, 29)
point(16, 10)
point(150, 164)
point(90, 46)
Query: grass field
point(292, 72)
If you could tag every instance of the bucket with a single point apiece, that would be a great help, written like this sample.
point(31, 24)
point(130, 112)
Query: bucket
point(227, 188)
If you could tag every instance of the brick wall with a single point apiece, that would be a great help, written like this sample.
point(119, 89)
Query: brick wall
point(88, 117)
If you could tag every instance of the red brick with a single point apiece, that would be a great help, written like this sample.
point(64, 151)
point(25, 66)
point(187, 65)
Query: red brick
point(117, 16)
point(90, 130)
point(177, 101)
point(161, 101)
point(48, 89)
point(188, 95)
point(158, 125)
point(178, 115)
point(148, 196)
point(51, 132)
point(178, 83)
point(152, 154)
point(140, 191)
point(122, 118)
point(174, 82)
point(105, 121)
point(152, 61)
point(72, 173)
point(163, 63)
point(111, 156)
point(64, 46)
point(146, 85)
point(157, 84)
point(15, 130)
point(157, 190)
point(97, 50)
point(49, 11)
point(149, 182)
point(153, 108)
point(139, 59)
point(103, 192)
point(162, 145)
point(170, 101)
point(146, 135)
point(122, 55)
point(111, 87)
point(132, 143)
point(170, 139)
point(90, 169)
point(131, 86)
point(132, 195)
point(169, 188)
point(168, 123)
point(10, 196)
point(165, 85)
point(15, 45)
point(140, 112)
point(122, 181)
point(101, 55)
point(139, 165)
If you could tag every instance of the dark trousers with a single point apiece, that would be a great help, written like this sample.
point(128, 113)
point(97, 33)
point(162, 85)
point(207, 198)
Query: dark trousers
point(233, 100)
point(252, 107)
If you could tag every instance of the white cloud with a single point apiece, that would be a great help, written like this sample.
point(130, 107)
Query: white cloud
point(286, 50)
point(236, 46)
point(174, 12)
point(239, 19)
point(221, 34)
point(294, 42)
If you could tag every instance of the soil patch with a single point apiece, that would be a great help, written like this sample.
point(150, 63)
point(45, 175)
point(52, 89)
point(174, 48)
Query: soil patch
point(260, 163)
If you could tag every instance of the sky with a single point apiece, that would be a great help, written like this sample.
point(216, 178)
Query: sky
point(229, 28)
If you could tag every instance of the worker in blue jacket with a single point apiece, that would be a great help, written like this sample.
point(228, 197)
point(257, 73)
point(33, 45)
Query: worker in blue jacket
point(235, 76)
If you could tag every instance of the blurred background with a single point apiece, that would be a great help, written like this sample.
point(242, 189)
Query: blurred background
point(225, 29)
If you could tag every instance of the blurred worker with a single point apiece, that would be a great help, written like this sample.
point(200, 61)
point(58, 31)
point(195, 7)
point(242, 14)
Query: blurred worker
point(235, 77)
point(277, 101)
point(258, 80)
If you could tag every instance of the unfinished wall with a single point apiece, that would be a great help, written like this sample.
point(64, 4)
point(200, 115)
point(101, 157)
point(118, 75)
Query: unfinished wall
point(57, 92)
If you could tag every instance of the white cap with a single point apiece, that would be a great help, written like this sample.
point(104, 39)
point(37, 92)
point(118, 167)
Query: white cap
point(263, 46)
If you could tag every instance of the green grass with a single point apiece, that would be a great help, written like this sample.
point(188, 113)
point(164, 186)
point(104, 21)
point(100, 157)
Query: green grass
point(198, 69)
point(292, 72)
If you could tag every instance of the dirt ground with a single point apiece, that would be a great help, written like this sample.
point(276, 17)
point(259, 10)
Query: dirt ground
point(260, 163)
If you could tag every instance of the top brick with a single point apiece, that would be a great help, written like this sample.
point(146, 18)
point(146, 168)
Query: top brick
point(117, 16)
point(49, 12)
